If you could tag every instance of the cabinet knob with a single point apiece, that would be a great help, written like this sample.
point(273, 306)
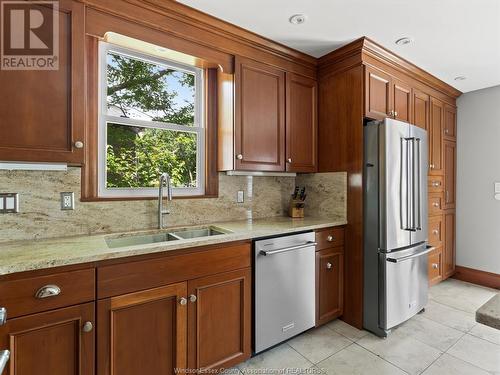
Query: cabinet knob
point(87, 327)
point(395, 114)
point(192, 298)
point(391, 113)
point(183, 301)
point(446, 131)
point(435, 183)
point(330, 238)
point(435, 231)
point(431, 166)
point(435, 204)
point(47, 291)
point(435, 266)
point(3, 316)
point(289, 160)
point(78, 144)
point(329, 266)
point(239, 156)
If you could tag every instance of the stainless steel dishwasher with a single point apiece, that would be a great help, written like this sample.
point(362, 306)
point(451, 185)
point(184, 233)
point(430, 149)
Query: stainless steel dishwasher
point(284, 288)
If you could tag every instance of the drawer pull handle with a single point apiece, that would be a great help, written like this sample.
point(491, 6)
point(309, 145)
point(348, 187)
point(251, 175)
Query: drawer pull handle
point(192, 298)
point(87, 327)
point(435, 266)
point(329, 266)
point(48, 291)
point(330, 238)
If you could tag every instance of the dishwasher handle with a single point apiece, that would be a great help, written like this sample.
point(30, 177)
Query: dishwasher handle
point(289, 248)
point(4, 358)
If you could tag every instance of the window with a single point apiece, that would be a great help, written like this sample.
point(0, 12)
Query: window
point(150, 122)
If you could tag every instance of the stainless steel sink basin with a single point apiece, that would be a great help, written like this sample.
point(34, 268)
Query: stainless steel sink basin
point(199, 232)
point(163, 236)
point(139, 239)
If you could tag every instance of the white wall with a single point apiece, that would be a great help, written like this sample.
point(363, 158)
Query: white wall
point(478, 167)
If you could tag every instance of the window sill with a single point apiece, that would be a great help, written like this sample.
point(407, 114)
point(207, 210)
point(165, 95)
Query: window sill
point(110, 199)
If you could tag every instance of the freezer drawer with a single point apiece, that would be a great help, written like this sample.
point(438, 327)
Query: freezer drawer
point(404, 285)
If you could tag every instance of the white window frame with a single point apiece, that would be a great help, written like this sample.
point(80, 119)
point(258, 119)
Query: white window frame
point(105, 118)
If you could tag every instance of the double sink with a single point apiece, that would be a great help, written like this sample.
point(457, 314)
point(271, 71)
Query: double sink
point(163, 236)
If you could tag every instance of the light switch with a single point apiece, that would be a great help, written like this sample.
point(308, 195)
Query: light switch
point(9, 203)
point(497, 187)
point(240, 197)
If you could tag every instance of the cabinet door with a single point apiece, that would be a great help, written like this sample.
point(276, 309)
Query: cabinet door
point(450, 122)
point(143, 332)
point(42, 111)
point(301, 123)
point(401, 100)
point(421, 109)
point(449, 244)
point(53, 342)
point(377, 94)
point(435, 266)
point(260, 117)
point(329, 284)
point(436, 138)
point(219, 320)
point(450, 155)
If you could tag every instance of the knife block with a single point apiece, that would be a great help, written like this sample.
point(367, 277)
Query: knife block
point(294, 211)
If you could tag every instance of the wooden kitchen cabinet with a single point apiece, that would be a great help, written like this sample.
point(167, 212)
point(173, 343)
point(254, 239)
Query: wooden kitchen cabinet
point(143, 332)
point(421, 109)
point(259, 116)
point(301, 123)
point(435, 136)
point(377, 94)
point(435, 266)
point(401, 100)
point(436, 230)
point(42, 112)
point(329, 284)
point(449, 244)
point(57, 342)
point(450, 122)
point(450, 173)
point(219, 320)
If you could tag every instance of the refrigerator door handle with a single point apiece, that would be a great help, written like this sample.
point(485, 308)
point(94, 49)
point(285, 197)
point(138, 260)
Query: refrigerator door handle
point(407, 184)
point(417, 164)
point(402, 259)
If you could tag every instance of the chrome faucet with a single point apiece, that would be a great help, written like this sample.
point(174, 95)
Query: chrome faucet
point(164, 179)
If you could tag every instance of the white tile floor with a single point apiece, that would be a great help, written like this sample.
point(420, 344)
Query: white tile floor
point(443, 340)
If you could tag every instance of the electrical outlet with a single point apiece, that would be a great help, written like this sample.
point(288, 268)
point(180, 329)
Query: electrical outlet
point(9, 203)
point(240, 197)
point(67, 201)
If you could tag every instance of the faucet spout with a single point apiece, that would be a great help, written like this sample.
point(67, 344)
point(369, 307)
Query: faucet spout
point(164, 181)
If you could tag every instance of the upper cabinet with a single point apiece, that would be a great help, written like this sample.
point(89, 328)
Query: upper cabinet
point(259, 127)
point(275, 120)
point(42, 111)
point(421, 107)
point(450, 123)
point(436, 137)
point(386, 96)
point(301, 123)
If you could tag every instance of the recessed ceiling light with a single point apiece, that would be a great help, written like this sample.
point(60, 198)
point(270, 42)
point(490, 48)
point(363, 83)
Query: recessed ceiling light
point(404, 41)
point(297, 19)
point(460, 78)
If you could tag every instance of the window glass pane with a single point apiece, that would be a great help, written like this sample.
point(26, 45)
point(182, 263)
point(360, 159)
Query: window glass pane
point(136, 156)
point(147, 91)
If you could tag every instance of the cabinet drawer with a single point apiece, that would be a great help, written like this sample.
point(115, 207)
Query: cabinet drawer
point(436, 231)
point(435, 184)
point(134, 276)
point(329, 237)
point(25, 296)
point(435, 204)
point(435, 266)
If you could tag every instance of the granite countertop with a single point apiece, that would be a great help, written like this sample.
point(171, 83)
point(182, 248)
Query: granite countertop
point(489, 313)
point(22, 256)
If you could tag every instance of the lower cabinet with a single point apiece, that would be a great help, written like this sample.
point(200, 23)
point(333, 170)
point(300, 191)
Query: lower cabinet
point(219, 324)
point(329, 284)
point(449, 244)
point(435, 266)
point(143, 332)
point(201, 324)
point(57, 342)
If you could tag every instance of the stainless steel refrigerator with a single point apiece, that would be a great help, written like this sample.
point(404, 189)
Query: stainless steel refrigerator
point(395, 224)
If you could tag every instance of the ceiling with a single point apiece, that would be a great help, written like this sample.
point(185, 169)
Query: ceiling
point(451, 37)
